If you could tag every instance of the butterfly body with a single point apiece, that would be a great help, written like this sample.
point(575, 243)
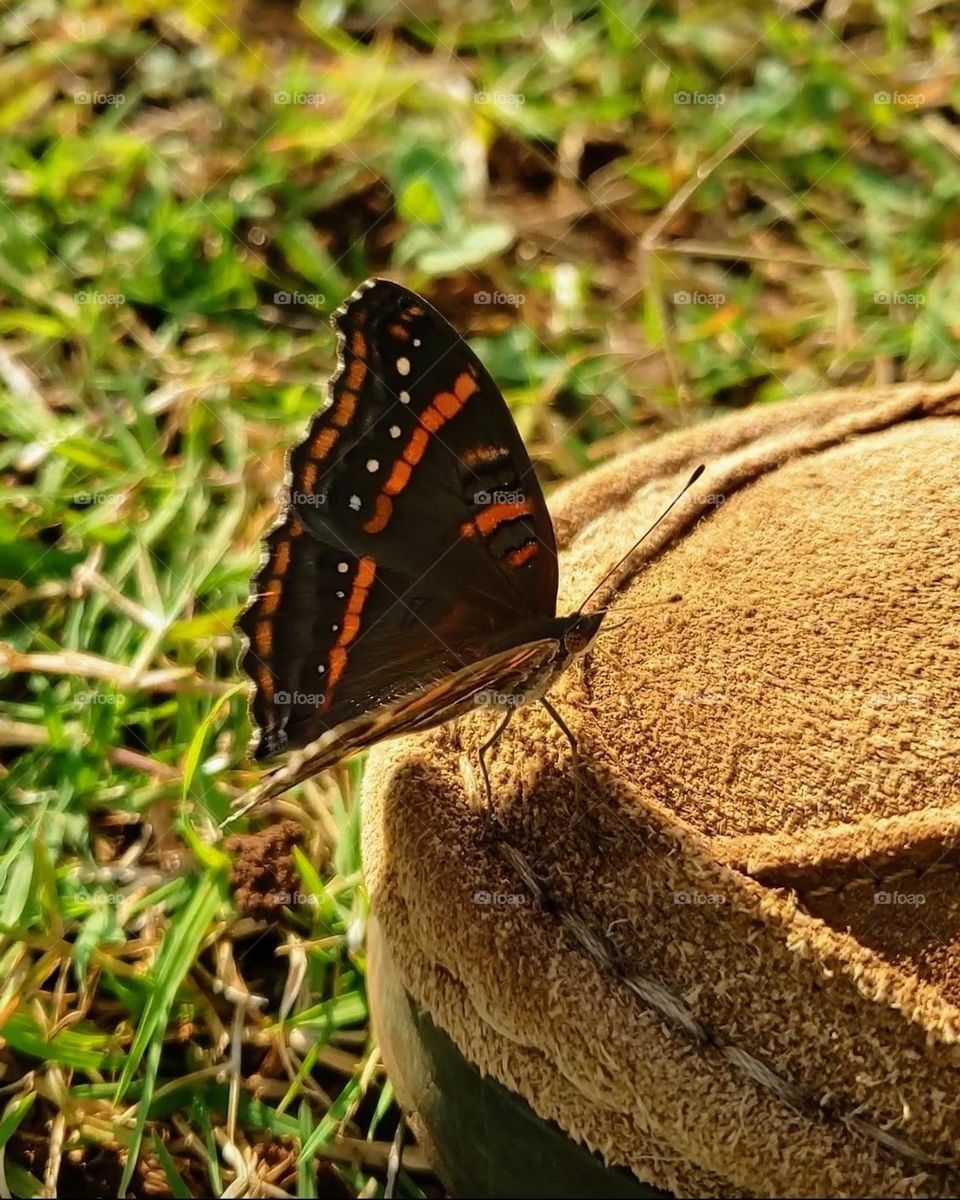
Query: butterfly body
point(566, 638)
point(413, 574)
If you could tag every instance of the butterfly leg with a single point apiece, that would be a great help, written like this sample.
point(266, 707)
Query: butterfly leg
point(574, 752)
point(488, 745)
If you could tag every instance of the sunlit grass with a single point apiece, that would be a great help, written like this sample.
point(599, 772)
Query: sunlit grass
point(640, 219)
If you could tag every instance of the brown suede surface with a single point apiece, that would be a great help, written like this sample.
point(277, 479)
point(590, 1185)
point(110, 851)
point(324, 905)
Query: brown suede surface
point(769, 827)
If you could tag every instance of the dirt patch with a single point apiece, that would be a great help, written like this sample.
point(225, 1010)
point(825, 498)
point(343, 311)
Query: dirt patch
point(264, 878)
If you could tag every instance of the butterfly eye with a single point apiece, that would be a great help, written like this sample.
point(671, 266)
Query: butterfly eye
point(577, 639)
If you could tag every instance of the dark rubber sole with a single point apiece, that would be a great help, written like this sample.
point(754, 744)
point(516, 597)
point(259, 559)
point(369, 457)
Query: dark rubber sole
point(481, 1139)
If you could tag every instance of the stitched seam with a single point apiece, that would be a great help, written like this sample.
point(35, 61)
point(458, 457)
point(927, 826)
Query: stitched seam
point(676, 1013)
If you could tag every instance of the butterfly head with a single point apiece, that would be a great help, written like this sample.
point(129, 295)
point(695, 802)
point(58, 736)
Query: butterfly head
point(579, 632)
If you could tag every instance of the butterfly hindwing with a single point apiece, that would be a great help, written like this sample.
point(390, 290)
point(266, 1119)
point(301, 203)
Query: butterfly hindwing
point(332, 636)
point(500, 673)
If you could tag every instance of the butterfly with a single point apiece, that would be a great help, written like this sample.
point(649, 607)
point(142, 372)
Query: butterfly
point(412, 576)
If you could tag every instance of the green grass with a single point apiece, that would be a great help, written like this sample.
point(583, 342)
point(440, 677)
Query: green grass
point(183, 200)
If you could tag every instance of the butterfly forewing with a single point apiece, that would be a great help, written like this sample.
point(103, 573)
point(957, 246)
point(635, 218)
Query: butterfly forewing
point(416, 539)
point(417, 459)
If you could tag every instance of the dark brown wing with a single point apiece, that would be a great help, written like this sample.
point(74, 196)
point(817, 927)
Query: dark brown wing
point(505, 672)
point(416, 540)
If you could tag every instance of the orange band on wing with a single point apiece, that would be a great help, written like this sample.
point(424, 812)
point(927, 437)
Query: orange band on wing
point(432, 419)
point(351, 627)
point(362, 583)
point(323, 443)
point(366, 571)
point(448, 405)
point(381, 515)
point(346, 407)
point(464, 386)
point(416, 447)
point(522, 555)
point(338, 660)
point(263, 638)
point(495, 516)
point(399, 478)
point(265, 608)
point(270, 600)
point(443, 407)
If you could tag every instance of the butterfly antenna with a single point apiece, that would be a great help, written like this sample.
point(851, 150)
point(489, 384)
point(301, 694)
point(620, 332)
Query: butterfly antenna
point(616, 566)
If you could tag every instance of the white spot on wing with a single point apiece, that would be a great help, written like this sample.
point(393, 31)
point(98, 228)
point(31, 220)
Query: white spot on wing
point(403, 366)
point(394, 431)
point(404, 397)
point(373, 464)
point(343, 567)
point(355, 503)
